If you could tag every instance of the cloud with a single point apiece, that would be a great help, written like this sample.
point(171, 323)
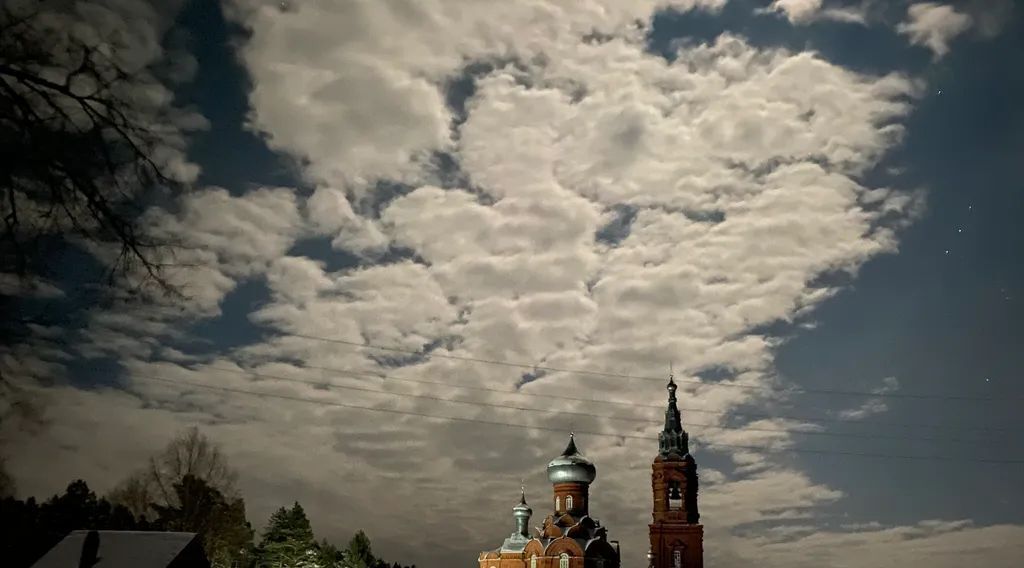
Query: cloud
point(990, 16)
point(321, 98)
point(219, 241)
point(934, 26)
point(802, 12)
point(14, 285)
point(330, 213)
point(931, 543)
point(797, 11)
point(872, 406)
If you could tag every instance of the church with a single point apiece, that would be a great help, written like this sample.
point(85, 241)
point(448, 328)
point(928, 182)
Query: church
point(570, 538)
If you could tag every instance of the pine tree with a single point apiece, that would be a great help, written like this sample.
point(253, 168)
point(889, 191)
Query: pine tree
point(360, 553)
point(288, 541)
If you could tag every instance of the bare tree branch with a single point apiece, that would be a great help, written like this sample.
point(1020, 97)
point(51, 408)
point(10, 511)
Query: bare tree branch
point(81, 154)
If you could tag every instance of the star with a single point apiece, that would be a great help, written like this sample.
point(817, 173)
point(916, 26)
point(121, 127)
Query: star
point(940, 92)
point(947, 251)
point(959, 230)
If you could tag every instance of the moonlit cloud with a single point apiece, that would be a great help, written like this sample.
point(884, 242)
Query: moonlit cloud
point(872, 406)
point(802, 12)
point(934, 26)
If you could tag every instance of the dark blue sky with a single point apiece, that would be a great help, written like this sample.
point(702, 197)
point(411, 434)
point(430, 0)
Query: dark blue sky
point(946, 323)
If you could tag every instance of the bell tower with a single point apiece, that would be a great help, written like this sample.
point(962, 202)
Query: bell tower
point(677, 538)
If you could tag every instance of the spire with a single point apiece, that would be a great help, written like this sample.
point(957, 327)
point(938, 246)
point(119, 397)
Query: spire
point(521, 513)
point(673, 439)
point(571, 450)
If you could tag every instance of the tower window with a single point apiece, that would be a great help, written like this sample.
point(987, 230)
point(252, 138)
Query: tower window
point(675, 496)
point(558, 503)
point(677, 558)
point(533, 561)
point(563, 560)
point(568, 502)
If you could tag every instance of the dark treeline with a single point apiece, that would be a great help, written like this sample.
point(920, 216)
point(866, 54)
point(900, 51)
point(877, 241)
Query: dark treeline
point(187, 488)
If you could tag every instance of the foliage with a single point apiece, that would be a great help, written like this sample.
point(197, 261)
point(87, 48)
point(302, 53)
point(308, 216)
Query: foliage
point(6, 482)
point(191, 453)
point(31, 529)
point(187, 487)
point(289, 541)
point(359, 554)
point(203, 510)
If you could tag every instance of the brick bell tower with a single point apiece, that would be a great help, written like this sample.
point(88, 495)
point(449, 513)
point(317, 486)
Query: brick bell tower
point(677, 538)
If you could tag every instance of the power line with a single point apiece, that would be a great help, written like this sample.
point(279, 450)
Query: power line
point(179, 382)
point(840, 420)
point(585, 414)
point(745, 414)
point(922, 396)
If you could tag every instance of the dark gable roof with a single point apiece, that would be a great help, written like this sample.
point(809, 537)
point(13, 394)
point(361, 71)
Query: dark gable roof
point(127, 549)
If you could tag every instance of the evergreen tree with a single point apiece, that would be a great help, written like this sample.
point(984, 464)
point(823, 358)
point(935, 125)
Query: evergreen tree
point(289, 542)
point(360, 553)
point(227, 536)
point(30, 530)
point(330, 556)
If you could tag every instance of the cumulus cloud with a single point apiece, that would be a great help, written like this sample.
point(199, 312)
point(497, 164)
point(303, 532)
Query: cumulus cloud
point(218, 241)
point(322, 98)
point(934, 26)
point(330, 213)
point(732, 174)
point(801, 12)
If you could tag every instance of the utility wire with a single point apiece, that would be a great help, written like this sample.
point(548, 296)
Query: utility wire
point(585, 414)
point(614, 402)
point(922, 396)
point(961, 459)
point(840, 420)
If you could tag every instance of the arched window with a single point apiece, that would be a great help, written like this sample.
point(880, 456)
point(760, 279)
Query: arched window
point(568, 502)
point(533, 561)
point(563, 560)
point(558, 503)
point(675, 495)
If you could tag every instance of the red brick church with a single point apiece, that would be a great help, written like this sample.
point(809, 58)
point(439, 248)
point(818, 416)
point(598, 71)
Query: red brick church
point(570, 538)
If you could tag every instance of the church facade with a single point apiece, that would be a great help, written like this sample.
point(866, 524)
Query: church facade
point(569, 537)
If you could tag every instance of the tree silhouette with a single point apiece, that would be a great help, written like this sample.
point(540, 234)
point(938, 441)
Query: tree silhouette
point(82, 144)
point(189, 453)
point(289, 541)
point(30, 529)
point(199, 508)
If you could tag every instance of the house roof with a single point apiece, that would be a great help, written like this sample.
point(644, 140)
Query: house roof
point(126, 549)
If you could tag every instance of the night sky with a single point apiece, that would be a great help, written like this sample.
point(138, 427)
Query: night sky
point(810, 209)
